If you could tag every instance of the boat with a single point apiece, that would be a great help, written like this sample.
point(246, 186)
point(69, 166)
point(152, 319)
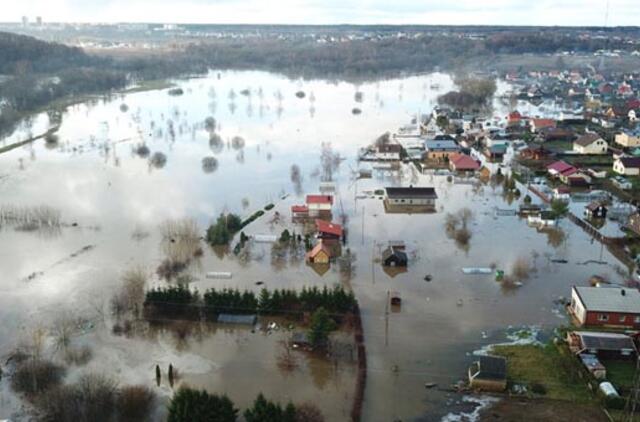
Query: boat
point(477, 270)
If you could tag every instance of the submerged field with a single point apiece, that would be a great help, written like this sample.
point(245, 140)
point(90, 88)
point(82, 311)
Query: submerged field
point(121, 168)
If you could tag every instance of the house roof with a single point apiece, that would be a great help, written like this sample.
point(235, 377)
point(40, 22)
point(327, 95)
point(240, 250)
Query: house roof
point(540, 123)
point(412, 193)
point(561, 167)
point(441, 145)
point(609, 299)
point(593, 206)
point(390, 148)
point(605, 341)
point(299, 208)
point(320, 247)
point(391, 251)
point(630, 162)
point(319, 199)
point(464, 162)
point(587, 139)
point(330, 228)
point(492, 368)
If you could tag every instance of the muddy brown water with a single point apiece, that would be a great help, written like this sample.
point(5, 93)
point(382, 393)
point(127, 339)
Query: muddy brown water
point(112, 199)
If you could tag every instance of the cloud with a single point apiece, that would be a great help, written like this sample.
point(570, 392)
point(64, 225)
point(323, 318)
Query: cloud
point(461, 12)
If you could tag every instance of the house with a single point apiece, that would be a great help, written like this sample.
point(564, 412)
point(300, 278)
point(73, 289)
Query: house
point(299, 211)
point(388, 151)
point(535, 154)
point(318, 205)
point(320, 254)
point(561, 168)
point(627, 166)
point(440, 150)
point(608, 307)
point(557, 134)
point(577, 179)
point(595, 209)
point(633, 223)
point(328, 231)
point(604, 345)
point(561, 193)
point(495, 152)
point(543, 219)
point(590, 143)
point(394, 257)
point(395, 299)
point(537, 125)
point(628, 138)
point(300, 340)
point(411, 196)
point(463, 163)
point(488, 373)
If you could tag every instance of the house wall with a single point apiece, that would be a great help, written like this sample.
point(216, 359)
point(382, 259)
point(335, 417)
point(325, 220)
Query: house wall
point(625, 140)
point(388, 155)
point(597, 147)
point(613, 319)
point(577, 308)
point(619, 168)
point(486, 385)
point(439, 155)
point(407, 201)
point(320, 258)
point(319, 207)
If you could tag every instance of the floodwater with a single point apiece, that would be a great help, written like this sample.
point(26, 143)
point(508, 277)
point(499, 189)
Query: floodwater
point(112, 199)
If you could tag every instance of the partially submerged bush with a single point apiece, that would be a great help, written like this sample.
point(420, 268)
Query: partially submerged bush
point(36, 376)
point(189, 405)
point(209, 164)
point(134, 403)
point(158, 160)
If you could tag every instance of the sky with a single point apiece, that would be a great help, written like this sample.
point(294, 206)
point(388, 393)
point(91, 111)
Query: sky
point(427, 12)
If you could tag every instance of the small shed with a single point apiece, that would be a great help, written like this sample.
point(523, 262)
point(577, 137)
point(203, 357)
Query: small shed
point(593, 365)
point(595, 210)
point(237, 319)
point(488, 373)
point(395, 298)
point(300, 340)
point(394, 257)
point(320, 254)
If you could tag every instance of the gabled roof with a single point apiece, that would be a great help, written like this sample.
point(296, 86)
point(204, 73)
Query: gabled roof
point(299, 208)
point(442, 145)
point(492, 368)
point(609, 299)
point(605, 341)
point(330, 228)
point(391, 251)
point(464, 162)
point(561, 167)
point(630, 162)
point(320, 247)
point(540, 123)
point(412, 193)
point(319, 199)
point(587, 139)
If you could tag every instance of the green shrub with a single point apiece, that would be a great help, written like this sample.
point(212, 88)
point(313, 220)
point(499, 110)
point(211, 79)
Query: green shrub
point(189, 405)
point(269, 207)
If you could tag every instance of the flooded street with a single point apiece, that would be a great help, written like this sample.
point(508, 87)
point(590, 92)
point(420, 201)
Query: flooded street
point(113, 195)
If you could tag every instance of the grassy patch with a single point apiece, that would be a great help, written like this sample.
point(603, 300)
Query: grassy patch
point(620, 373)
point(559, 146)
point(554, 368)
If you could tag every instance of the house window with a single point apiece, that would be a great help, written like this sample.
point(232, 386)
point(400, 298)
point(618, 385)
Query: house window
point(637, 320)
point(623, 318)
point(603, 317)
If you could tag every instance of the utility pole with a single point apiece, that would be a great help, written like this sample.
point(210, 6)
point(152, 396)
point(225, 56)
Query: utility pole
point(386, 319)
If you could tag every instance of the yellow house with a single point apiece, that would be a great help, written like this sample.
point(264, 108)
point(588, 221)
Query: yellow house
point(629, 139)
point(320, 254)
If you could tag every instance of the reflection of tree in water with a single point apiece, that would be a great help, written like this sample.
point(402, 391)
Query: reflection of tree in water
point(320, 371)
point(240, 157)
point(237, 142)
point(209, 164)
point(556, 237)
point(142, 150)
point(245, 203)
point(312, 112)
point(210, 124)
point(232, 107)
point(287, 359)
point(296, 178)
point(216, 143)
point(330, 162)
point(158, 160)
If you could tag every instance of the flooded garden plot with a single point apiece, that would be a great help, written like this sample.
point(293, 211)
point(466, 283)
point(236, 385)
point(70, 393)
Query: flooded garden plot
point(122, 183)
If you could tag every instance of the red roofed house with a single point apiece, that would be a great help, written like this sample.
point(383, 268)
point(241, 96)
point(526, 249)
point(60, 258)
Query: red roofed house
point(320, 254)
point(299, 211)
point(561, 168)
point(329, 231)
point(605, 306)
point(319, 204)
point(463, 162)
point(538, 124)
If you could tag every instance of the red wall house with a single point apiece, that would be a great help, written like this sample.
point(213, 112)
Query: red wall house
point(606, 306)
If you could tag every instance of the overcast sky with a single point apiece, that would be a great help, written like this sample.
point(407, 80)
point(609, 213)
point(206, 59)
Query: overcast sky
point(460, 12)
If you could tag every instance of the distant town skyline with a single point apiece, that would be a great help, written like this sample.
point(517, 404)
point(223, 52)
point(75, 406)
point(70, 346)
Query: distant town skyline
point(398, 12)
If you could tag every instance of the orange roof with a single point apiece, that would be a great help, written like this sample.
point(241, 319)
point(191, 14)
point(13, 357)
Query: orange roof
point(543, 122)
point(320, 247)
point(299, 208)
point(330, 228)
point(319, 199)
